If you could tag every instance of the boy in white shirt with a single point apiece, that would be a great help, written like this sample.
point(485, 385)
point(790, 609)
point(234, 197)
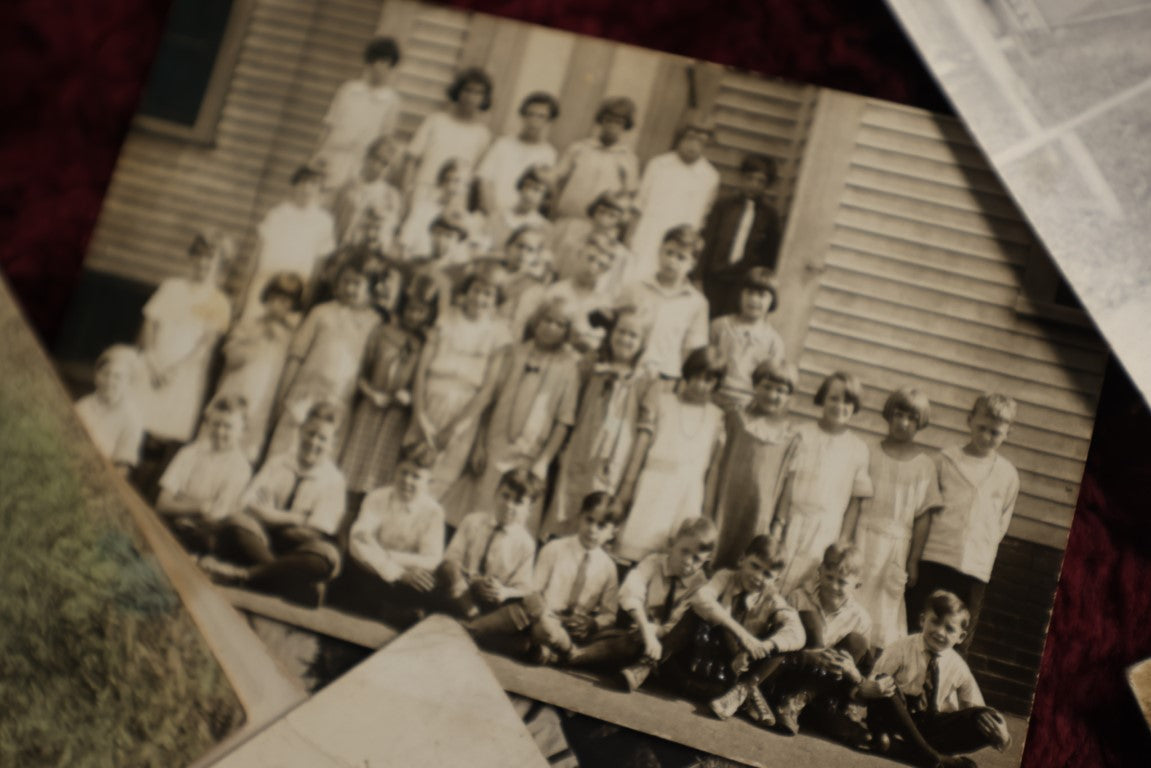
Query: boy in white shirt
point(110, 415)
point(954, 548)
point(285, 529)
point(678, 311)
point(922, 697)
point(362, 110)
point(576, 592)
point(203, 483)
point(489, 560)
point(395, 546)
point(502, 167)
point(367, 208)
point(655, 595)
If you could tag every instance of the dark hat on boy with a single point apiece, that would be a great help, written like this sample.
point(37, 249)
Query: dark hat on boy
point(453, 220)
point(618, 106)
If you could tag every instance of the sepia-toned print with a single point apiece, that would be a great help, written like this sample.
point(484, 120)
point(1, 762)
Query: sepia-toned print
point(713, 406)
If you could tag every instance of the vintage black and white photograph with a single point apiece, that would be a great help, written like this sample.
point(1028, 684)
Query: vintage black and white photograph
point(733, 411)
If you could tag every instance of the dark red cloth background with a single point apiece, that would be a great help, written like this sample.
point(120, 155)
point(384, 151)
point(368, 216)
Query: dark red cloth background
point(71, 76)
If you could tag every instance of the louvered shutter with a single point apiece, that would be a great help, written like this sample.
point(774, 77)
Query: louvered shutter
point(757, 115)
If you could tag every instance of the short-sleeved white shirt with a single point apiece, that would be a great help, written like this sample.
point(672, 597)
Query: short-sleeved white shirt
point(978, 501)
point(293, 239)
point(506, 160)
point(906, 660)
point(442, 137)
point(359, 113)
point(849, 617)
point(116, 430)
point(678, 318)
point(217, 478)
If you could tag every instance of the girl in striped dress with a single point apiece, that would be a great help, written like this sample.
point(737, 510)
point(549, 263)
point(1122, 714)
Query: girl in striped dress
point(384, 407)
point(456, 375)
point(613, 388)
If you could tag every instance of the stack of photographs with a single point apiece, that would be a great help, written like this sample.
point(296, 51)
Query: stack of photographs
point(713, 407)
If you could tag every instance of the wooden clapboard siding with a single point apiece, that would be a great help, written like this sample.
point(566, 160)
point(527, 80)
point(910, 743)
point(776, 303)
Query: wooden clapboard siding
point(165, 190)
point(920, 272)
point(293, 57)
point(756, 114)
point(335, 40)
point(432, 46)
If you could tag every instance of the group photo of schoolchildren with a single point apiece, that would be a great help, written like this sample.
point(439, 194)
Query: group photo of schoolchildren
point(538, 388)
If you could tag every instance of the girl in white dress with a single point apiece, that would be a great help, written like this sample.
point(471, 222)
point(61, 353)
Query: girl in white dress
point(362, 110)
point(295, 236)
point(672, 472)
point(183, 320)
point(906, 481)
point(830, 478)
point(454, 133)
point(678, 188)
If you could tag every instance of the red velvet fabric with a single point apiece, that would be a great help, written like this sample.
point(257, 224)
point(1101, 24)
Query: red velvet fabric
point(72, 72)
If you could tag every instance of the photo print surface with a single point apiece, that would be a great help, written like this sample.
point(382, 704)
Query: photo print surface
point(694, 395)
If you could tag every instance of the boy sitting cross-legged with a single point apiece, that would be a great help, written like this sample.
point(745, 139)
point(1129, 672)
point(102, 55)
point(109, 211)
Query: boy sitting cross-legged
point(285, 530)
point(395, 546)
point(204, 481)
point(655, 595)
point(922, 695)
point(836, 628)
point(736, 618)
point(576, 592)
point(489, 560)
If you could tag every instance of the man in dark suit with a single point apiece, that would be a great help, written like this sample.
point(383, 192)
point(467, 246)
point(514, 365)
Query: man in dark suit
point(742, 231)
